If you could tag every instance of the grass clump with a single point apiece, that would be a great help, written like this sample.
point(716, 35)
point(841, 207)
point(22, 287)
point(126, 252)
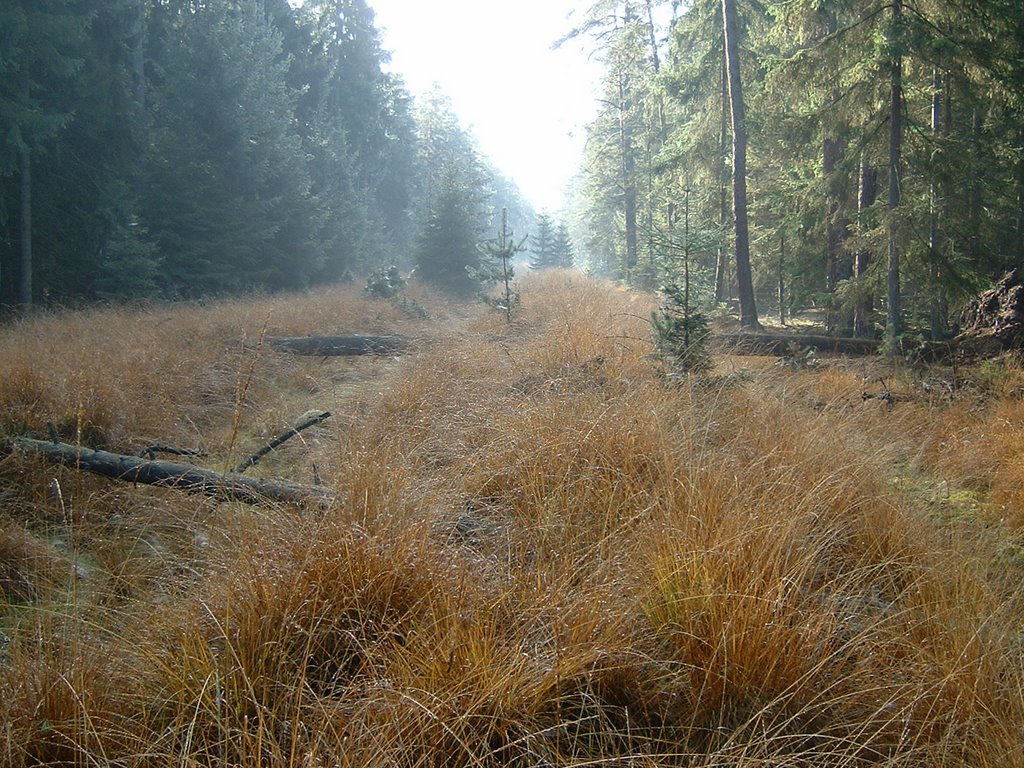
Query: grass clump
point(537, 554)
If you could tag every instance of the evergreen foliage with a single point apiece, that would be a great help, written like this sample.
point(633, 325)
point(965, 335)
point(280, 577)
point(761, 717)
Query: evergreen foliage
point(551, 244)
point(448, 253)
point(682, 336)
point(179, 148)
point(384, 283)
point(498, 267)
point(563, 253)
point(884, 150)
point(542, 243)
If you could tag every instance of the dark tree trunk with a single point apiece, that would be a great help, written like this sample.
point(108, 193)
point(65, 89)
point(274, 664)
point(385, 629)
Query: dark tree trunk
point(25, 228)
point(867, 194)
point(782, 280)
point(837, 230)
point(722, 263)
point(628, 160)
point(973, 189)
point(894, 324)
point(744, 279)
point(628, 175)
point(1020, 196)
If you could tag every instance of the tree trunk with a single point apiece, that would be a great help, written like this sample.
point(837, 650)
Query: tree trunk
point(744, 279)
point(25, 229)
point(973, 190)
point(722, 262)
point(867, 194)
point(1020, 195)
point(837, 229)
point(628, 174)
point(782, 280)
point(894, 324)
point(935, 300)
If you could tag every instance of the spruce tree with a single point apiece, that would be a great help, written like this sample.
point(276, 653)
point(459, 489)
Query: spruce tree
point(542, 244)
point(448, 248)
point(562, 248)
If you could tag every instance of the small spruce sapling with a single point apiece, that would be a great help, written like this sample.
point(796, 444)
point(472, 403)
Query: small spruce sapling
point(499, 269)
point(384, 283)
point(681, 332)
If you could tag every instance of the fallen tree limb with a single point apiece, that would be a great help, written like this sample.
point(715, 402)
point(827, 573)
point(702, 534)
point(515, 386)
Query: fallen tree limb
point(338, 346)
point(250, 461)
point(180, 477)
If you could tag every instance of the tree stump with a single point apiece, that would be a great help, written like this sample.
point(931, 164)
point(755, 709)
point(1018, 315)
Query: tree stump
point(994, 322)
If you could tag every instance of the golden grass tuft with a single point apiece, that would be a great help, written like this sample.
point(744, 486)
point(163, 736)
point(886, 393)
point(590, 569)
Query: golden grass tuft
point(538, 553)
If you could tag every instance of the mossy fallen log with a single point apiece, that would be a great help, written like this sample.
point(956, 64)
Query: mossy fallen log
point(229, 486)
point(339, 346)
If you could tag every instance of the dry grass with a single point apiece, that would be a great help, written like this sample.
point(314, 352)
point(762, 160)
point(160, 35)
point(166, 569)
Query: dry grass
point(538, 555)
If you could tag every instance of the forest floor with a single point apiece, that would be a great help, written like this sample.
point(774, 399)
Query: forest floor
point(538, 553)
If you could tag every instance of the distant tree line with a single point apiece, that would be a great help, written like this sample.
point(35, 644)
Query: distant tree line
point(177, 148)
point(864, 157)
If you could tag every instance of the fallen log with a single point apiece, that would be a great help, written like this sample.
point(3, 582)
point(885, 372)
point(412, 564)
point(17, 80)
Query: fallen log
point(229, 486)
point(783, 344)
point(786, 344)
point(339, 346)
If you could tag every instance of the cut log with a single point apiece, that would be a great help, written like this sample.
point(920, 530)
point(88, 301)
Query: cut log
point(338, 346)
point(181, 477)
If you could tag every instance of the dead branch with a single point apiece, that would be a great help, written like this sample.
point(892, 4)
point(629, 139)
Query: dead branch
point(250, 461)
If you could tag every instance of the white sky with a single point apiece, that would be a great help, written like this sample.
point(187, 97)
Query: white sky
point(526, 104)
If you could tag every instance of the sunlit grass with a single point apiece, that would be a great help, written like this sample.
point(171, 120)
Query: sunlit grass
point(539, 554)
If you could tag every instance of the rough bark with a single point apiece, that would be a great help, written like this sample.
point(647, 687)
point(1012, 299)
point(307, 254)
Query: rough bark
point(179, 477)
point(744, 278)
point(340, 346)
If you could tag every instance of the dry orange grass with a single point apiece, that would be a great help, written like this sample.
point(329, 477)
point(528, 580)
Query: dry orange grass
point(538, 555)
